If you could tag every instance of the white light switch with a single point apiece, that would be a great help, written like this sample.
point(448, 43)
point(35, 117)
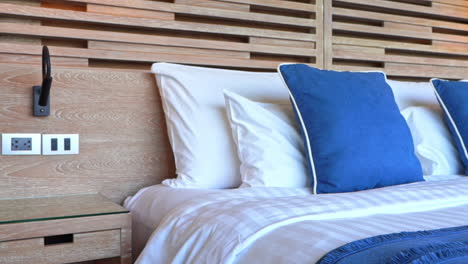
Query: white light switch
point(60, 144)
point(21, 144)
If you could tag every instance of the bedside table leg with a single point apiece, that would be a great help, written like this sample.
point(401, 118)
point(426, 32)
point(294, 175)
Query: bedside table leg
point(126, 242)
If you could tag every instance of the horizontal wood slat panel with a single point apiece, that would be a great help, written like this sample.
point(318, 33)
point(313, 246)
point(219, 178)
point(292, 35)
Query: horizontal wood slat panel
point(436, 10)
point(399, 32)
point(281, 42)
point(86, 34)
point(122, 11)
point(427, 71)
point(404, 26)
point(141, 56)
point(277, 4)
point(463, 3)
point(437, 47)
point(105, 45)
point(37, 60)
point(379, 16)
point(255, 34)
point(20, 39)
point(132, 22)
point(413, 39)
point(203, 11)
point(364, 55)
point(215, 4)
point(216, 33)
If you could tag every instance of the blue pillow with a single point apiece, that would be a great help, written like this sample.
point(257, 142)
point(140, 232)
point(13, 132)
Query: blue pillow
point(355, 136)
point(453, 97)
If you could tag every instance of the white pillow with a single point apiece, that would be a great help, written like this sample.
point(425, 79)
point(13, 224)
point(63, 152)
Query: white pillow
point(269, 144)
point(414, 94)
point(433, 143)
point(197, 124)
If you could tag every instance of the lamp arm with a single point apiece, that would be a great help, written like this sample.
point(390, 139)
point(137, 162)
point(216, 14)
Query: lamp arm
point(46, 77)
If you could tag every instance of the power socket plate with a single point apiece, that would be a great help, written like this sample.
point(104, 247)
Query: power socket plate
point(14, 144)
point(47, 144)
point(21, 144)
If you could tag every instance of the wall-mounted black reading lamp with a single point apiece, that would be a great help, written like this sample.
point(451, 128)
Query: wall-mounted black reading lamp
point(41, 100)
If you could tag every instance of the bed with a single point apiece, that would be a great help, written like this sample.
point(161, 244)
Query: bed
point(247, 197)
point(285, 230)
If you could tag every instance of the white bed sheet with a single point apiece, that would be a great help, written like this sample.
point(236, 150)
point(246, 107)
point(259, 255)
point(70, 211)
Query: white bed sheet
point(151, 204)
point(258, 225)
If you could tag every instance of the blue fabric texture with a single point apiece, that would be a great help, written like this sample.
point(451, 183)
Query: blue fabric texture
point(452, 97)
point(448, 245)
point(355, 136)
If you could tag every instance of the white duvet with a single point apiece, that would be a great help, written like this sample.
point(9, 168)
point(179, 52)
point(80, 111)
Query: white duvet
point(282, 225)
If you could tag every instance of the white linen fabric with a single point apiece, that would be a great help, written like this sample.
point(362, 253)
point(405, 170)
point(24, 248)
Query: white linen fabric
point(223, 229)
point(433, 143)
point(198, 129)
point(269, 144)
point(414, 94)
point(151, 204)
point(293, 243)
point(443, 177)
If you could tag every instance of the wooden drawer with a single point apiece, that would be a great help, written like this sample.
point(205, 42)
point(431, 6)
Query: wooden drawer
point(62, 249)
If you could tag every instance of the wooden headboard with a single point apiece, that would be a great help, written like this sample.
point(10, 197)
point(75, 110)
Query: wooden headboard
point(104, 91)
point(123, 138)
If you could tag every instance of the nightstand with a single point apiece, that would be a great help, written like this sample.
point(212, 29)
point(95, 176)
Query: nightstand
point(64, 229)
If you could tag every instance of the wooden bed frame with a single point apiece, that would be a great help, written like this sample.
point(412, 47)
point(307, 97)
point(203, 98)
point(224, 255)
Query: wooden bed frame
point(102, 51)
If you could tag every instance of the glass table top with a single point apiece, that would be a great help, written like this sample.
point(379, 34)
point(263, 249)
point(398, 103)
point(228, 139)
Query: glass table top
point(59, 207)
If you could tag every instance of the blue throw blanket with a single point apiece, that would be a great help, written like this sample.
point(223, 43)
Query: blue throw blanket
point(448, 246)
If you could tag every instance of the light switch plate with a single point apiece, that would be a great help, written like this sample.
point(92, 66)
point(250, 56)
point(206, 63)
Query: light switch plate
point(60, 147)
point(30, 144)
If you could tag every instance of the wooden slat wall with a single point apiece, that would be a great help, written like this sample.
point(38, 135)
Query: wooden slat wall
point(123, 141)
point(404, 38)
point(246, 34)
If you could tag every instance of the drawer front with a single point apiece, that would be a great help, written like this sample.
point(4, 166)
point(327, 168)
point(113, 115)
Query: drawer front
point(62, 249)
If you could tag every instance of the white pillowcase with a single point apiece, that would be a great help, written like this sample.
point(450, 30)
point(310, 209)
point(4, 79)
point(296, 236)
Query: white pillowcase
point(433, 143)
point(197, 123)
point(269, 144)
point(198, 128)
point(414, 94)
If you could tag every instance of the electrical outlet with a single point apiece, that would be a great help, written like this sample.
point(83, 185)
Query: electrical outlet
point(21, 144)
point(60, 144)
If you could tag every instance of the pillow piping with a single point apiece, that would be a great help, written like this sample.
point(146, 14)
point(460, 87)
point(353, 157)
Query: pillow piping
point(303, 127)
point(460, 139)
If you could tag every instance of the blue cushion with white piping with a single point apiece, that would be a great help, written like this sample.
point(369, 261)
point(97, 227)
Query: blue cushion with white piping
point(452, 97)
point(355, 136)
